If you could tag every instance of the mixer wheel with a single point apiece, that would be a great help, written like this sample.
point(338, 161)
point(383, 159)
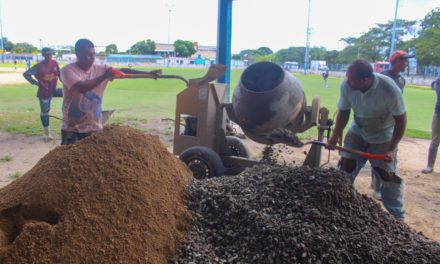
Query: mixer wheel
point(237, 147)
point(203, 162)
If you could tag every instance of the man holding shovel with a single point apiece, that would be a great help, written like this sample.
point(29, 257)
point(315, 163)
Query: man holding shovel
point(84, 83)
point(378, 126)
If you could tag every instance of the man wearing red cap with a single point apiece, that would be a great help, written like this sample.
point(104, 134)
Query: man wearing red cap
point(399, 63)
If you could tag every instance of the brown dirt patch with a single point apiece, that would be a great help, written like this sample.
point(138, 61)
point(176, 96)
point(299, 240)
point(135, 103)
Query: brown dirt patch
point(115, 197)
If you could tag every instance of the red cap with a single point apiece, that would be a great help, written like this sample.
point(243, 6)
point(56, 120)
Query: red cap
point(399, 54)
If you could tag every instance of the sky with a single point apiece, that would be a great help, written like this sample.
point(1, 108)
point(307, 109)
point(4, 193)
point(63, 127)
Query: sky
point(276, 24)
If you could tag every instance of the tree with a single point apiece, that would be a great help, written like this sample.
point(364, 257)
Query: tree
point(143, 47)
point(331, 57)
point(111, 49)
point(349, 54)
point(426, 46)
point(318, 53)
point(24, 47)
point(375, 43)
point(432, 19)
point(248, 54)
point(236, 57)
point(7, 45)
point(263, 51)
point(184, 48)
point(268, 57)
point(291, 54)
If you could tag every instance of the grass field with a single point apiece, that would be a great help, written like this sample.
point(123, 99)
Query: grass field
point(141, 99)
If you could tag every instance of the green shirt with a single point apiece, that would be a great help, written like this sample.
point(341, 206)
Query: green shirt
point(373, 110)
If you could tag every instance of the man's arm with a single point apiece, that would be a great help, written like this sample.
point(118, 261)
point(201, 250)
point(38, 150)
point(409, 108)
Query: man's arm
point(87, 85)
point(28, 75)
point(341, 122)
point(399, 129)
point(59, 72)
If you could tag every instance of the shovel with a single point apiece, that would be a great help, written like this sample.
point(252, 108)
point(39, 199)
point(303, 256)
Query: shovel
point(366, 155)
point(152, 75)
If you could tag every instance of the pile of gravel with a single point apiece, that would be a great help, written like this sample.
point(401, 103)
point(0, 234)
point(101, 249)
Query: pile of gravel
point(275, 214)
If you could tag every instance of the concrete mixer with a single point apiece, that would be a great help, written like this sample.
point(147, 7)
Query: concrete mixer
point(268, 104)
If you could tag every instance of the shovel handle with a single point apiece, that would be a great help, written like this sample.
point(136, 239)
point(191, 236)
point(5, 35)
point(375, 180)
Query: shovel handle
point(366, 155)
point(122, 75)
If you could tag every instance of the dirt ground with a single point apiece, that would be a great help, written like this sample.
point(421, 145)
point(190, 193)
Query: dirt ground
point(19, 153)
point(11, 76)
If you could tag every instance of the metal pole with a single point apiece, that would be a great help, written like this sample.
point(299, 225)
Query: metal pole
point(393, 34)
point(169, 30)
point(1, 36)
point(306, 57)
point(224, 37)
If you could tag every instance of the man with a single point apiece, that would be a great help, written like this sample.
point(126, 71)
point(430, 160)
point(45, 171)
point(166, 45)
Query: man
point(399, 63)
point(433, 147)
point(378, 125)
point(28, 63)
point(46, 73)
point(84, 84)
point(325, 75)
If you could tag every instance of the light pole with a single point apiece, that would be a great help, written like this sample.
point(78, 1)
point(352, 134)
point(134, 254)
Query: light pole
point(306, 56)
point(169, 30)
point(1, 36)
point(393, 34)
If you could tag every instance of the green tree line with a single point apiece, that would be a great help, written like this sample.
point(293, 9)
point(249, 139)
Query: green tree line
point(421, 37)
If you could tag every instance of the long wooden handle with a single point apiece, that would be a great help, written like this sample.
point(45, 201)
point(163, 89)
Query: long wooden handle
point(366, 155)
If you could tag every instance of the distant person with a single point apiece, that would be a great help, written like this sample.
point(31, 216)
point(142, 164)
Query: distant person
point(28, 63)
point(325, 75)
point(433, 147)
point(84, 83)
point(379, 121)
point(46, 75)
point(15, 64)
point(399, 63)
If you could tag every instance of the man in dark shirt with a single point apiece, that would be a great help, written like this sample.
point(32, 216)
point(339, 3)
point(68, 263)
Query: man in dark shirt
point(399, 63)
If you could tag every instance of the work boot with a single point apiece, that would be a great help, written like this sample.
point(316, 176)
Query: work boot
point(47, 136)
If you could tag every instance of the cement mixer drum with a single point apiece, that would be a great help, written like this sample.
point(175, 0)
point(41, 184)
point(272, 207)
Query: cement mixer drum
point(268, 98)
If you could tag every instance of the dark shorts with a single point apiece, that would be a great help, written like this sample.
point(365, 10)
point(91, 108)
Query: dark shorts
point(68, 137)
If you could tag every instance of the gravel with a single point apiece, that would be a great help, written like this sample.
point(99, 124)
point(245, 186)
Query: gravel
point(280, 214)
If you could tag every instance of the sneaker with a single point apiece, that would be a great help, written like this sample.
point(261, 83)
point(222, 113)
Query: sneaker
point(377, 195)
point(427, 170)
point(47, 136)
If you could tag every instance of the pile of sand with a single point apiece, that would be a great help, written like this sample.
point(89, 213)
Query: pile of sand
point(115, 197)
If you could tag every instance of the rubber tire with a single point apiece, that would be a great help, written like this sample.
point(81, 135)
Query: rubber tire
point(203, 162)
point(238, 149)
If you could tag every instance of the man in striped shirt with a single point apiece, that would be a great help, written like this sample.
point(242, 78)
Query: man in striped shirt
point(46, 74)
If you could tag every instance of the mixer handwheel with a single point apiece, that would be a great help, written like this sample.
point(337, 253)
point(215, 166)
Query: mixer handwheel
point(203, 162)
point(238, 149)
